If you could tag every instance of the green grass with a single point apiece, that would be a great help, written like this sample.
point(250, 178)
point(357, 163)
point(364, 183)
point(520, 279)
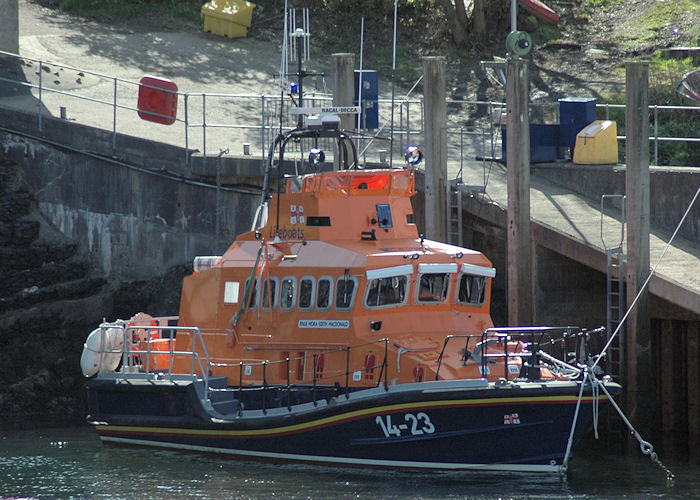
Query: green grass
point(590, 7)
point(545, 33)
point(660, 17)
point(408, 68)
point(605, 5)
point(664, 77)
point(664, 16)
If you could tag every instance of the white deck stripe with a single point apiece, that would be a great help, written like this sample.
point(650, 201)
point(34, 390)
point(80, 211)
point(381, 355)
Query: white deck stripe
point(398, 464)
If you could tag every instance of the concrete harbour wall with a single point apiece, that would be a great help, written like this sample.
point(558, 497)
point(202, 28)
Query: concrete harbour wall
point(9, 26)
point(137, 222)
point(139, 205)
point(671, 190)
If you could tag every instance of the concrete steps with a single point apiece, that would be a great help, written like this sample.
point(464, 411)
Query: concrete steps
point(18, 233)
point(50, 299)
point(18, 279)
point(65, 290)
point(17, 259)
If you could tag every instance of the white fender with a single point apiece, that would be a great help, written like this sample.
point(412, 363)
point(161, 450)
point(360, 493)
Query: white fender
point(102, 349)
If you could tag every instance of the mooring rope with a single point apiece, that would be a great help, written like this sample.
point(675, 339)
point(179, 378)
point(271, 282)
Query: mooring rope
point(595, 409)
point(570, 442)
point(646, 282)
point(563, 369)
point(644, 446)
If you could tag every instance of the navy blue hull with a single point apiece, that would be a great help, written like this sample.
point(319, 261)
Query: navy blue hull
point(427, 426)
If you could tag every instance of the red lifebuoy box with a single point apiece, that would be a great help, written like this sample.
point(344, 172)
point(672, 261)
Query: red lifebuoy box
point(157, 100)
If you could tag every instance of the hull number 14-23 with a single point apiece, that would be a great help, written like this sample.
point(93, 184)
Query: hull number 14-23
point(414, 425)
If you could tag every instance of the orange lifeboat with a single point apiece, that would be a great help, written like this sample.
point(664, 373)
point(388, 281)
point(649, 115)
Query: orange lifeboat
point(334, 333)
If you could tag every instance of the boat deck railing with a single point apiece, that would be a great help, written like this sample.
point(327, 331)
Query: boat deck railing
point(148, 353)
point(198, 125)
point(144, 356)
point(339, 380)
point(527, 344)
point(139, 360)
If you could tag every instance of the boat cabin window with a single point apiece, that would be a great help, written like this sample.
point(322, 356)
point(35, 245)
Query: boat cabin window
point(231, 292)
point(433, 287)
point(294, 183)
point(371, 181)
point(252, 293)
point(384, 215)
point(386, 291)
point(306, 293)
point(270, 293)
point(345, 293)
point(472, 289)
point(323, 296)
point(288, 293)
point(402, 181)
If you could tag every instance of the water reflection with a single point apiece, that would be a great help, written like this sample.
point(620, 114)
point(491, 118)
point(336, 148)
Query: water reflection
point(71, 463)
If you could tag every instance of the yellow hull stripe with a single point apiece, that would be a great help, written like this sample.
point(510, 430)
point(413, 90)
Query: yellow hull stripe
point(322, 422)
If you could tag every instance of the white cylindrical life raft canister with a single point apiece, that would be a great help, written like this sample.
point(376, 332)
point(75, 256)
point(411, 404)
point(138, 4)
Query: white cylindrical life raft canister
point(102, 350)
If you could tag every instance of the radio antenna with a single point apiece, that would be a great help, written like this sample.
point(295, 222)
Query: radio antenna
point(393, 74)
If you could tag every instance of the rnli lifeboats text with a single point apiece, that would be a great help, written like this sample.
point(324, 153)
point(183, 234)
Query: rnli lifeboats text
point(324, 323)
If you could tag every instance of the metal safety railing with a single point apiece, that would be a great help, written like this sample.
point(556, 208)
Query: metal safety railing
point(203, 124)
point(655, 139)
point(520, 350)
point(141, 347)
point(146, 350)
point(140, 351)
point(253, 375)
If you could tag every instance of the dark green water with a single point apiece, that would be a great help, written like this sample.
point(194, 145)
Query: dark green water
point(72, 463)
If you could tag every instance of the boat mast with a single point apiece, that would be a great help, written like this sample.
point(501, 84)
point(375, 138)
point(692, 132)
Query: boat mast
point(393, 73)
point(299, 34)
point(360, 82)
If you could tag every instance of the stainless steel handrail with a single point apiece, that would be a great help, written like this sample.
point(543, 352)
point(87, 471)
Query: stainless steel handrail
point(129, 350)
point(537, 336)
point(381, 379)
point(407, 129)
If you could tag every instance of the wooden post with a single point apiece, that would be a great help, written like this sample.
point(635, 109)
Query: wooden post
point(639, 370)
point(9, 26)
point(693, 363)
point(669, 392)
point(344, 86)
point(435, 121)
point(520, 283)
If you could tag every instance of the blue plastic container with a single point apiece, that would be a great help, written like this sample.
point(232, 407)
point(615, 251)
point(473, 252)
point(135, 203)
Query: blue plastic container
point(370, 97)
point(544, 143)
point(575, 113)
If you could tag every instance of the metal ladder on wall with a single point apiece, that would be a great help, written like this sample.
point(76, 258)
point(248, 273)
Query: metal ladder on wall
point(615, 289)
point(454, 193)
point(454, 212)
point(615, 305)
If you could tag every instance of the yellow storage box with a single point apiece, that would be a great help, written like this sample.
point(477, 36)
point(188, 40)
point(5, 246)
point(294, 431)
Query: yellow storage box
point(228, 17)
point(596, 144)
